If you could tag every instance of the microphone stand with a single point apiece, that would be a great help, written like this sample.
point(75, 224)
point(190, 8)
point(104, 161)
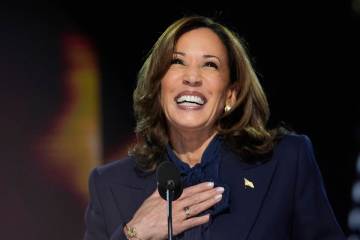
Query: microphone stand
point(169, 187)
point(169, 199)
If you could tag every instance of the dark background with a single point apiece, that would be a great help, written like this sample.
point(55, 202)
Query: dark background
point(306, 54)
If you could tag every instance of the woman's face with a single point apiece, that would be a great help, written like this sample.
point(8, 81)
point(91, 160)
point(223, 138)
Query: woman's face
point(195, 88)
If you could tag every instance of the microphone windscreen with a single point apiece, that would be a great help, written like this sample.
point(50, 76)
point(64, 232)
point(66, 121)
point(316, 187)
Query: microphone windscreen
point(168, 177)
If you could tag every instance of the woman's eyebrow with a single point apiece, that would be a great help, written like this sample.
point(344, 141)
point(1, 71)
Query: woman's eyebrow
point(211, 56)
point(205, 56)
point(180, 53)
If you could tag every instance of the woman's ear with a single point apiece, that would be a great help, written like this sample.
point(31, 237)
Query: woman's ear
point(232, 94)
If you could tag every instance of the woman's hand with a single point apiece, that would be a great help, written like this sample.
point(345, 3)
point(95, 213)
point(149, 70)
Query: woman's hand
point(150, 220)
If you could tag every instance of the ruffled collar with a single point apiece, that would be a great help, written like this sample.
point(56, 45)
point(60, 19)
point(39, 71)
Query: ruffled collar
point(205, 171)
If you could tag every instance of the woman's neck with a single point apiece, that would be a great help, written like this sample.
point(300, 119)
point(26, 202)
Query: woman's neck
point(189, 147)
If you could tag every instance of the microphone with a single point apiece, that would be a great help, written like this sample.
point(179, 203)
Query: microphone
point(168, 178)
point(170, 188)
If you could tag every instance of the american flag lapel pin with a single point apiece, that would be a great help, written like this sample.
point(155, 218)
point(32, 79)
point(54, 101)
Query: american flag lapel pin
point(248, 183)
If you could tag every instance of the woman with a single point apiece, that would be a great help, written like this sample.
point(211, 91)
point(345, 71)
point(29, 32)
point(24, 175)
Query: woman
point(199, 104)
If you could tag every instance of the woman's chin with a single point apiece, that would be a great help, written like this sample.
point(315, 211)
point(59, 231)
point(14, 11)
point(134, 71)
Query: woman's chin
point(192, 126)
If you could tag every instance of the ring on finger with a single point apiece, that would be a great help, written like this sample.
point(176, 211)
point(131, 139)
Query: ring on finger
point(187, 212)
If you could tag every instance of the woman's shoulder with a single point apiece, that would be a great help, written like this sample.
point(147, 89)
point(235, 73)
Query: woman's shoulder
point(120, 170)
point(292, 148)
point(293, 141)
point(123, 164)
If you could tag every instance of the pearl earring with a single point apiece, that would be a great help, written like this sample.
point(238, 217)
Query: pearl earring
point(227, 108)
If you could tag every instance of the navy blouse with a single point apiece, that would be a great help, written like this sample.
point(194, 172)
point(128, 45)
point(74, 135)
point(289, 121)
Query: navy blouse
point(208, 170)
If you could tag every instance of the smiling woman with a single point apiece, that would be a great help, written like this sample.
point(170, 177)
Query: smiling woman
point(199, 104)
point(196, 88)
point(198, 57)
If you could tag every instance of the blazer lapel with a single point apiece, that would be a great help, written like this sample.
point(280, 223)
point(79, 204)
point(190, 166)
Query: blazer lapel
point(249, 185)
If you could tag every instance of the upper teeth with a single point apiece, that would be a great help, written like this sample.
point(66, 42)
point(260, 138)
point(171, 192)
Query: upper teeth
point(189, 98)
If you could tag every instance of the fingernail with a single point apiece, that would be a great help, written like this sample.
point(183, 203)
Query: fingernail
point(210, 184)
point(220, 189)
point(218, 197)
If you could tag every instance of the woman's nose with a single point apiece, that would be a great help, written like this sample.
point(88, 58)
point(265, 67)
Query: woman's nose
point(192, 77)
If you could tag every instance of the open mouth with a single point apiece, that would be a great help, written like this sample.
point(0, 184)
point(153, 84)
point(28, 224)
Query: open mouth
point(190, 99)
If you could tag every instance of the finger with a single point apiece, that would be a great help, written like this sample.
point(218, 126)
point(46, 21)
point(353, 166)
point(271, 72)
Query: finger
point(195, 221)
point(189, 191)
point(196, 209)
point(201, 197)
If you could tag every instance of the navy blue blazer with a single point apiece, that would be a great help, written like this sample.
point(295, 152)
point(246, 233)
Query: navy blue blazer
point(288, 200)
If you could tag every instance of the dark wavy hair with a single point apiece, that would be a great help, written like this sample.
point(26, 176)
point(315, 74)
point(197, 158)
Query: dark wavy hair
point(243, 127)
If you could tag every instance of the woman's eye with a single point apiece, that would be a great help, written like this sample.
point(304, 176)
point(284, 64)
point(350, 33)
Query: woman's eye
point(177, 61)
point(211, 64)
